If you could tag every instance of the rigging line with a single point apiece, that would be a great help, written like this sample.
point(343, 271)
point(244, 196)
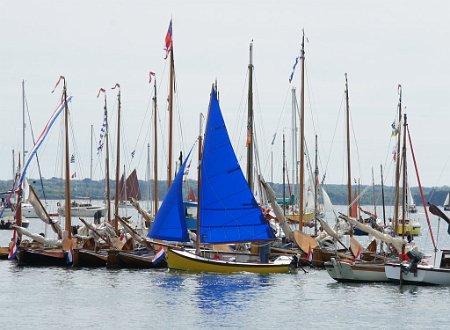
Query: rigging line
point(75, 148)
point(310, 97)
point(334, 136)
point(37, 156)
point(238, 128)
point(356, 146)
point(259, 118)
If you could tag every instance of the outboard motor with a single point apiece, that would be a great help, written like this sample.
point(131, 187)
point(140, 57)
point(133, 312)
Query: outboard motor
point(415, 257)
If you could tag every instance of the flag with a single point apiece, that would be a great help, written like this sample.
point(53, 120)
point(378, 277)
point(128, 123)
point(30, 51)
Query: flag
point(74, 175)
point(309, 255)
point(150, 74)
point(168, 40)
point(61, 106)
point(133, 153)
point(102, 134)
point(13, 246)
point(293, 69)
point(159, 256)
point(72, 159)
point(69, 255)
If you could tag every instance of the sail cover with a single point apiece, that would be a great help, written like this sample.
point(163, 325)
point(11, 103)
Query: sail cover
point(170, 221)
point(228, 210)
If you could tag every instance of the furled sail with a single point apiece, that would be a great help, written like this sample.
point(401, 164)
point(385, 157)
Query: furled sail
point(33, 199)
point(228, 210)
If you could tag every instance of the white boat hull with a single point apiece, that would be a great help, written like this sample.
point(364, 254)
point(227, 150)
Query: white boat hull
point(426, 275)
point(84, 211)
point(343, 271)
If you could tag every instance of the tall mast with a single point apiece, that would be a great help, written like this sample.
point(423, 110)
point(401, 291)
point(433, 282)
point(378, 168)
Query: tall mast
point(19, 204)
point(302, 136)
point(374, 196)
point(200, 153)
point(294, 138)
point(148, 175)
point(108, 187)
point(382, 195)
point(155, 151)
point(116, 197)
point(284, 177)
point(404, 180)
point(23, 122)
point(171, 90)
point(67, 211)
point(349, 166)
point(92, 155)
point(250, 121)
point(397, 155)
point(13, 165)
point(316, 191)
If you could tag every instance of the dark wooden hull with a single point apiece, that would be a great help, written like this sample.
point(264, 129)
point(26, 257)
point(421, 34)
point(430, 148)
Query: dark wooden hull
point(132, 259)
point(41, 257)
point(89, 258)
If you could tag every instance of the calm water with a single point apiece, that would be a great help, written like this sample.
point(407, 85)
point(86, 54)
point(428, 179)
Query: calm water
point(50, 298)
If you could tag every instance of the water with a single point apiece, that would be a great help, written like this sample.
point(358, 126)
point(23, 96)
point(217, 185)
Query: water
point(51, 298)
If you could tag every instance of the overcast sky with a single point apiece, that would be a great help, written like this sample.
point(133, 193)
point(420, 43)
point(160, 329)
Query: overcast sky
point(94, 44)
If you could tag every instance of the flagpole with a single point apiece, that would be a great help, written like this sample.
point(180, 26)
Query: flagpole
point(302, 136)
point(67, 211)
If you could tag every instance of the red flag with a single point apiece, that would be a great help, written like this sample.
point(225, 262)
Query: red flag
point(169, 41)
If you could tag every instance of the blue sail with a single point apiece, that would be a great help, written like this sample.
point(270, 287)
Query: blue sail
point(228, 210)
point(170, 221)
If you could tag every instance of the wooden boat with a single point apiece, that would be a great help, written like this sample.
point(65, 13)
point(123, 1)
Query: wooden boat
point(188, 261)
point(4, 252)
point(228, 212)
point(356, 271)
point(412, 227)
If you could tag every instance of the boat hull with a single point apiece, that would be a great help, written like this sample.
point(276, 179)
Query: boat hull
point(186, 261)
point(4, 252)
point(133, 259)
point(89, 258)
point(87, 212)
point(425, 275)
point(345, 271)
point(41, 257)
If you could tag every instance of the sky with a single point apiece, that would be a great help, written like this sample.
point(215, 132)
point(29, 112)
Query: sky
point(94, 44)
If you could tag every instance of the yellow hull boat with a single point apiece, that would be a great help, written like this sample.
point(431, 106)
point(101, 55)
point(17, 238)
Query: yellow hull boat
point(187, 261)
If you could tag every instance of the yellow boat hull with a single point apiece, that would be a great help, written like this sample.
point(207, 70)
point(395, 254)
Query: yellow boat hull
point(307, 217)
point(183, 260)
point(409, 229)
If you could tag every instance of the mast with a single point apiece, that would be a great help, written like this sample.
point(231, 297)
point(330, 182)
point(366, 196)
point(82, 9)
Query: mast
point(316, 191)
point(200, 147)
point(171, 90)
point(250, 121)
point(349, 172)
point(148, 174)
point(294, 137)
point(67, 211)
point(284, 178)
point(19, 205)
point(13, 165)
point(23, 122)
point(374, 196)
point(302, 136)
point(92, 156)
point(397, 155)
point(155, 151)
point(116, 197)
point(404, 191)
point(382, 195)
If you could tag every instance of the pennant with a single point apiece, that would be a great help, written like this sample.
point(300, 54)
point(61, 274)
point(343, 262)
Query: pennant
point(159, 256)
point(59, 109)
point(69, 255)
point(150, 75)
point(293, 69)
point(57, 83)
point(101, 90)
point(168, 40)
point(13, 246)
point(117, 85)
point(309, 255)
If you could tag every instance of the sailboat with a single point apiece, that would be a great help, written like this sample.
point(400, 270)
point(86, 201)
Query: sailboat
point(128, 189)
point(50, 252)
point(228, 213)
point(447, 203)
point(411, 205)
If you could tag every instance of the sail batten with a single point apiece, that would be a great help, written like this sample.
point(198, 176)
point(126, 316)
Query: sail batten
point(228, 210)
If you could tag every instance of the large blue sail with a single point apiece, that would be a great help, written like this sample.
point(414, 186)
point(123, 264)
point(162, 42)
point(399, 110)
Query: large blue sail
point(228, 210)
point(170, 221)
